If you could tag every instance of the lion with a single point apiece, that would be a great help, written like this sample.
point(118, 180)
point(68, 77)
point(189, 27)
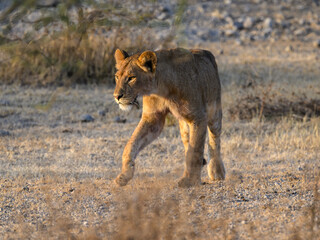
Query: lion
point(184, 83)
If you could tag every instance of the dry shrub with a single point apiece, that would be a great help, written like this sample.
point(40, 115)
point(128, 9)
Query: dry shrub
point(249, 107)
point(74, 48)
point(265, 102)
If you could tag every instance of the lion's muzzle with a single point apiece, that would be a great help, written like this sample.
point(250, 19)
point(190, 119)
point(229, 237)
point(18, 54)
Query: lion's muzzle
point(126, 104)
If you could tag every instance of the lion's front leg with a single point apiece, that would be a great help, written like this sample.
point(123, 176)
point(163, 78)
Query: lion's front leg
point(194, 156)
point(149, 128)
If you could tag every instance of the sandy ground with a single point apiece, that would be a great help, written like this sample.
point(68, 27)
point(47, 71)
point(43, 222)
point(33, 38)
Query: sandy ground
point(56, 172)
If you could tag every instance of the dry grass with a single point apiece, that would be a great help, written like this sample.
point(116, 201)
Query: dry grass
point(56, 173)
point(68, 58)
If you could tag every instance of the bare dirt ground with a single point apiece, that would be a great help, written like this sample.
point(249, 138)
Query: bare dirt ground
point(56, 171)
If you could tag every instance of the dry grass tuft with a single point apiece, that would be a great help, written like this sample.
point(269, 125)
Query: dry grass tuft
point(151, 217)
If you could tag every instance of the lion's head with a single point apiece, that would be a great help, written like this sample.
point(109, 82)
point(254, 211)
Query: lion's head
point(135, 77)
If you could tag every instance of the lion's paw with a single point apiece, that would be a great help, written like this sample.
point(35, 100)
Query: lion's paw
point(216, 173)
point(216, 176)
point(121, 180)
point(186, 182)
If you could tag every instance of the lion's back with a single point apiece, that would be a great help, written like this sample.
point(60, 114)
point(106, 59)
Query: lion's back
point(190, 70)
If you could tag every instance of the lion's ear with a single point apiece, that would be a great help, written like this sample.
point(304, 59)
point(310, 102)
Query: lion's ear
point(148, 61)
point(120, 55)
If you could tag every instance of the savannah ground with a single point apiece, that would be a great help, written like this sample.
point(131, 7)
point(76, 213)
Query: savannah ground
point(57, 172)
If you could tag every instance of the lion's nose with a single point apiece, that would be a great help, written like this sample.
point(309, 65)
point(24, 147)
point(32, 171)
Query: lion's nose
point(118, 96)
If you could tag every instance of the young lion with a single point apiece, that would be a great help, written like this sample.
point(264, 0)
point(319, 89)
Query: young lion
point(183, 82)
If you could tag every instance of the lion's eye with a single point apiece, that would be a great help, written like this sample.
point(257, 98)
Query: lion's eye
point(131, 78)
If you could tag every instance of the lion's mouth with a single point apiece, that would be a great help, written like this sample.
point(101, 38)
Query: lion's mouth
point(127, 105)
point(135, 102)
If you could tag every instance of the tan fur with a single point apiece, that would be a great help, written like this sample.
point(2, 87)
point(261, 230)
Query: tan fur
point(183, 82)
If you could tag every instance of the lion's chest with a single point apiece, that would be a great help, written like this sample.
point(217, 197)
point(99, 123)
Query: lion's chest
point(180, 107)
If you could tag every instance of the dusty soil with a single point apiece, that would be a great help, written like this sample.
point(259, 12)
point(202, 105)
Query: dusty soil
point(56, 171)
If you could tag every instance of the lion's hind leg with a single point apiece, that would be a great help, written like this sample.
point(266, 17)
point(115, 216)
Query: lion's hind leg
point(184, 132)
point(194, 154)
point(216, 170)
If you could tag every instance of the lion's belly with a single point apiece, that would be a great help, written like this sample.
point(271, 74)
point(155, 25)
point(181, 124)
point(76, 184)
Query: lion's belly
point(181, 109)
point(186, 111)
point(176, 113)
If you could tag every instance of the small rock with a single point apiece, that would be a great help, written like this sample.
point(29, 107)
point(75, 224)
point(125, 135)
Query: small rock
point(166, 9)
point(238, 25)
point(302, 21)
point(238, 42)
point(300, 32)
point(85, 223)
point(205, 6)
point(316, 43)
point(268, 23)
point(162, 16)
point(216, 14)
point(213, 35)
point(285, 24)
point(267, 32)
point(209, 35)
point(252, 37)
point(230, 32)
point(4, 133)
point(34, 16)
point(87, 118)
point(229, 20)
point(120, 120)
point(248, 23)
point(26, 188)
point(102, 113)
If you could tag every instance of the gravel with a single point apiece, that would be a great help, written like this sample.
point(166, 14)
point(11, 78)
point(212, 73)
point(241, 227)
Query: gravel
point(210, 21)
